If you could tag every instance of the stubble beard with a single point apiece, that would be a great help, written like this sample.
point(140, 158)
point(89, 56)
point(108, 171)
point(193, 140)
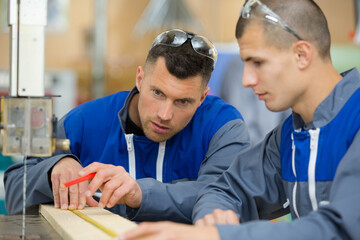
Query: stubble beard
point(152, 135)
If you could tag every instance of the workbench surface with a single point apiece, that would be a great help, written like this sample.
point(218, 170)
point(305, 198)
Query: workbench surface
point(36, 228)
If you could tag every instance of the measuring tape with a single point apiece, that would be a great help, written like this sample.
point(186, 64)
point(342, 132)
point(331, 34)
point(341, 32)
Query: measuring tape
point(95, 223)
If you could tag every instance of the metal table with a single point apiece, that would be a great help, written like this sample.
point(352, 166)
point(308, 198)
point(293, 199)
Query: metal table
point(36, 228)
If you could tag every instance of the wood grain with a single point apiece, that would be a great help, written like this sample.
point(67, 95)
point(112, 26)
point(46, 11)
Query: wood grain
point(71, 226)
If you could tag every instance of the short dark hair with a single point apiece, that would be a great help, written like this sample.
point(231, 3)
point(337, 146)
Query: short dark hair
point(182, 61)
point(304, 16)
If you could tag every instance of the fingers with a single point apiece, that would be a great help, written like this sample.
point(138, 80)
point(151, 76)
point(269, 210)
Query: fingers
point(91, 168)
point(219, 216)
point(128, 193)
point(209, 220)
point(91, 202)
point(55, 183)
point(121, 189)
point(231, 217)
point(143, 230)
point(63, 171)
point(200, 223)
point(104, 173)
point(116, 185)
point(108, 191)
point(69, 197)
point(118, 195)
point(82, 197)
point(167, 230)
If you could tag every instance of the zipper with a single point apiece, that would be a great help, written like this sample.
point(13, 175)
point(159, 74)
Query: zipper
point(287, 203)
point(294, 172)
point(160, 161)
point(131, 154)
point(314, 139)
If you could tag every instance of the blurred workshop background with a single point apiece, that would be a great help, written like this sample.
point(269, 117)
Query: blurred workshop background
point(93, 47)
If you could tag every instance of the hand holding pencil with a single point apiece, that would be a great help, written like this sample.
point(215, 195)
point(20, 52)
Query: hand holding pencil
point(72, 192)
point(115, 183)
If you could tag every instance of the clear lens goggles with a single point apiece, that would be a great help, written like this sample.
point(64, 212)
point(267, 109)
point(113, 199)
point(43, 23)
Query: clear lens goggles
point(177, 37)
point(264, 13)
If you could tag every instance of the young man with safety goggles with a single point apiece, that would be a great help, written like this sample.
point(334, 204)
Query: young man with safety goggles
point(310, 164)
point(152, 148)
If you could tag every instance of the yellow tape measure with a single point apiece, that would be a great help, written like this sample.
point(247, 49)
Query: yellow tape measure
point(95, 223)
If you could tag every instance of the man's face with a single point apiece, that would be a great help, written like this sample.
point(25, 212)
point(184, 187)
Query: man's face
point(166, 104)
point(270, 72)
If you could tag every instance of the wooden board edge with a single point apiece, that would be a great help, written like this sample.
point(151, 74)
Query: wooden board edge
point(53, 223)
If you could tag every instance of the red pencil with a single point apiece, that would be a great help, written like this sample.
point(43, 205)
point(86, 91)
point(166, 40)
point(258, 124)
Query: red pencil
point(81, 179)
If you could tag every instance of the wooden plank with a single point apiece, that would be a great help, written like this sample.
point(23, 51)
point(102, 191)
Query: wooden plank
point(71, 226)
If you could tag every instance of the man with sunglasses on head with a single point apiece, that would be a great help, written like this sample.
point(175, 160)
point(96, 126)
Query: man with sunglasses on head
point(310, 164)
point(152, 148)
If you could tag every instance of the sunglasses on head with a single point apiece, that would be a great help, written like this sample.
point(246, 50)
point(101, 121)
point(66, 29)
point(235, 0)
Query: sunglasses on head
point(263, 12)
point(177, 37)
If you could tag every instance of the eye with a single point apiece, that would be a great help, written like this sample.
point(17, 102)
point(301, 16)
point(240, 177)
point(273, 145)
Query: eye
point(157, 92)
point(182, 102)
point(257, 63)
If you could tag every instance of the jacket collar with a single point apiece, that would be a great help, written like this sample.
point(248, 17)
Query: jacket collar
point(332, 104)
point(122, 114)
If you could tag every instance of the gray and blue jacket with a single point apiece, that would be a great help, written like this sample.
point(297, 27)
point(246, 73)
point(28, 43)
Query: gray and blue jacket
point(311, 170)
point(169, 173)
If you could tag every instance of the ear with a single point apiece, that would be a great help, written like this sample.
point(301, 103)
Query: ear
point(303, 53)
point(139, 77)
point(204, 93)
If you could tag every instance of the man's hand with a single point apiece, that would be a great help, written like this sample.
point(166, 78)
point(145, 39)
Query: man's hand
point(72, 197)
point(169, 230)
point(116, 185)
point(218, 216)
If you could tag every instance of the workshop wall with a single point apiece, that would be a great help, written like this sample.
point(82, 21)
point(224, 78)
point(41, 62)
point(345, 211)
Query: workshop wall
point(341, 19)
point(71, 48)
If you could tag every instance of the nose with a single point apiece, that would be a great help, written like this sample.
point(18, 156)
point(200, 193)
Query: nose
point(165, 112)
point(249, 79)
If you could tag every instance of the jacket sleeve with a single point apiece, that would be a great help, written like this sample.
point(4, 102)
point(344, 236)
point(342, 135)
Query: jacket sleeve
point(38, 187)
point(338, 219)
point(174, 201)
point(251, 187)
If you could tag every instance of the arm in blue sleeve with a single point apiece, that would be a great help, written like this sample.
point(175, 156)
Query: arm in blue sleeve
point(251, 187)
point(175, 201)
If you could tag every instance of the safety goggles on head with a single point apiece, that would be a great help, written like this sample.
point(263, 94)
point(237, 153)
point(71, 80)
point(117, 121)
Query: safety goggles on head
point(263, 12)
point(177, 37)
